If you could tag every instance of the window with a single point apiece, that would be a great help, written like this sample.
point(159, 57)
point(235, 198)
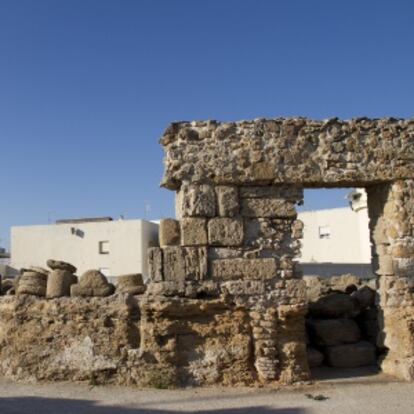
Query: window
point(324, 232)
point(104, 247)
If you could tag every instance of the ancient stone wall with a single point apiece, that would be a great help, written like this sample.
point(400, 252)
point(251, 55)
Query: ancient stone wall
point(237, 184)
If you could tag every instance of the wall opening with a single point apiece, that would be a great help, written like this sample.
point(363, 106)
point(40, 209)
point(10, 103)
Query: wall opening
point(342, 324)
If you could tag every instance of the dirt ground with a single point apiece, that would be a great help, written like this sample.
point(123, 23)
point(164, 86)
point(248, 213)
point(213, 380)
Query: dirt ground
point(365, 394)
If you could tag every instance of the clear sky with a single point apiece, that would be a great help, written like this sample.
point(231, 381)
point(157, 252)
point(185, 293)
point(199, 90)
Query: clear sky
point(88, 86)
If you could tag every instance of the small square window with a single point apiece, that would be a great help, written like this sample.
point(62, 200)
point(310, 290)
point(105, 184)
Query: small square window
point(324, 232)
point(104, 247)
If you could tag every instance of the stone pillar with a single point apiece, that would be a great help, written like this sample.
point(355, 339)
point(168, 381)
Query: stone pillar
point(391, 211)
point(238, 243)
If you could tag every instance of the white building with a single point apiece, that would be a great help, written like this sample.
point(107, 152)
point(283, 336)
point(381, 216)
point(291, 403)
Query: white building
point(115, 247)
point(337, 240)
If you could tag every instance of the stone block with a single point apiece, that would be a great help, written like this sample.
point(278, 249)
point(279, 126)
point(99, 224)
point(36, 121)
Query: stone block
point(267, 208)
point(335, 305)
point(315, 358)
point(155, 264)
point(351, 355)
point(227, 201)
point(32, 283)
point(92, 283)
point(328, 332)
point(244, 268)
point(244, 287)
point(169, 232)
point(184, 263)
point(196, 200)
point(193, 232)
point(59, 283)
point(289, 193)
point(225, 232)
point(132, 284)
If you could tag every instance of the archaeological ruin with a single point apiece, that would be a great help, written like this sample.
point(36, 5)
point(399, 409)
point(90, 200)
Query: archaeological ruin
point(225, 302)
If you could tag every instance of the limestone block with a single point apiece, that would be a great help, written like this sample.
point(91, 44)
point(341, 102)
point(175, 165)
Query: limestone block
point(290, 193)
point(351, 355)
point(315, 358)
point(243, 287)
point(227, 201)
point(244, 268)
point(155, 264)
point(225, 232)
point(193, 232)
point(365, 296)
point(267, 208)
point(198, 200)
point(60, 265)
point(404, 266)
point(169, 232)
point(335, 305)
point(92, 283)
point(32, 283)
point(328, 332)
point(184, 263)
point(59, 283)
point(131, 283)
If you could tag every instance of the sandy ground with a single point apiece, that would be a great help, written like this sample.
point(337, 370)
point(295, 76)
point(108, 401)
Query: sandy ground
point(366, 394)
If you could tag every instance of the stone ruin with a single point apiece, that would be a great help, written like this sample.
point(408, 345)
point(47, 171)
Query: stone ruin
point(225, 303)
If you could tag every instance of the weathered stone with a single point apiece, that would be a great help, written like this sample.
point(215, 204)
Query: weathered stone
point(196, 201)
point(193, 232)
point(315, 358)
point(335, 305)
point(60, 265)
point(351, 355)
point(6, 285)
point(155, 264)
point(169, 232)
point(327, 332)
point(32, 283)
point(244, 268)
point(225, 232)
point(270, 208)
point(244, 287)
point(131, 283)
point(365, 296)
point(59, 283)
point(92, 283)
point(184, 263)
point(227, 201)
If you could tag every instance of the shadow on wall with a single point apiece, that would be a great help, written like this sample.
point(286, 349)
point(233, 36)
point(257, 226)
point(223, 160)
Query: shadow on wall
point(37, 405)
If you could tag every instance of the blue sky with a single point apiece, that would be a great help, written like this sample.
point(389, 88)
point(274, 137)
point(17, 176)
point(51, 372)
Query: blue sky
point(88, 86)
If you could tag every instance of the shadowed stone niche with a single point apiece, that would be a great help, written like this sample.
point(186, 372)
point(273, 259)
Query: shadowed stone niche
point(236, 236)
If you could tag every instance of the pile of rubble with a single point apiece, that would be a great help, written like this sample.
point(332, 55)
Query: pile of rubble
point(61, 281)
point(342, 328)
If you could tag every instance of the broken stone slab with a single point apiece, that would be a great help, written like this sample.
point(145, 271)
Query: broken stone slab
point(131, 283)
point(59, 283)
point(32, 283)
point(315, 357)
point(244, 268)
point(225, 232)
point(351, 355)
point(227, 201)
point(335, 305)
point(60, 265)
point(328, 332)
point(193, 232)
point(184, 263)
point(267, 208)
point(169, 232)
